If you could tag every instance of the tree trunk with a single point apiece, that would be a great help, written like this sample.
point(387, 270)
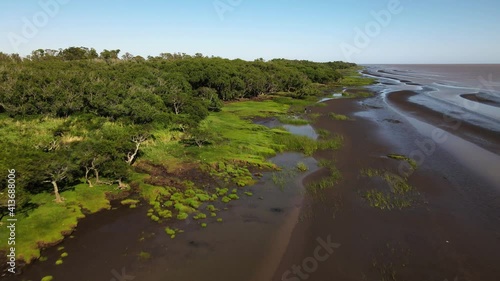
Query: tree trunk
point(121, 185)
point(87, 171)
point(96, 173)
point(131, 156)
point(56, 192)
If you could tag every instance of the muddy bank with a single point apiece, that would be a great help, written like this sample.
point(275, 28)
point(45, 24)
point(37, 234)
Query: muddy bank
point(478, 98)
point(485, 138)
point(451, 230)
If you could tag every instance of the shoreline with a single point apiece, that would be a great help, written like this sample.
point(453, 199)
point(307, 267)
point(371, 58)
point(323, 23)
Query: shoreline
point(427, 241)
point(485, 138)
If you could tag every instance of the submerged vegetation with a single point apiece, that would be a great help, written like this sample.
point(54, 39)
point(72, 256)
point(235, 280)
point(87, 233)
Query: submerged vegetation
point(400, 193)
point(81, 129)
point(338, 117)
point(333, 177)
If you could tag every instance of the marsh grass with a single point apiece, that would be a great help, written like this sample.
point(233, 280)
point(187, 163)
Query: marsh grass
point(399, 196)
point(338, 117)
point(283, 178)
point(411, 162)
point(323, 134)
point(292, 120)
point(302, 167)
point(328, 182)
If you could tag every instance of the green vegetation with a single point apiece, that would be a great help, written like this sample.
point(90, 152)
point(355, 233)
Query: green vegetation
point(292, 120)
point(144, 255)
point(63, 255)
point(351, 78)
point(47, 278)
point(411, 162)
point(338, 117)
point(82, 128)
point(400, 195)
point(59, 262)
point(302, 167)
point(323, 134)
point(132, 203)
point(333, 177)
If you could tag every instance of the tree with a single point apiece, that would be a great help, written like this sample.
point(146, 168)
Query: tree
point(137, 140)
point(110, 54)
point(210, 95)
point(56, 166)
point(201, 136)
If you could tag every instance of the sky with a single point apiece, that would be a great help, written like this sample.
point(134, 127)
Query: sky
point(360, 31)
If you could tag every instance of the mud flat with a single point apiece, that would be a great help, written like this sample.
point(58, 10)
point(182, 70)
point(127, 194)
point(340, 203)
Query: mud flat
point(450, 229)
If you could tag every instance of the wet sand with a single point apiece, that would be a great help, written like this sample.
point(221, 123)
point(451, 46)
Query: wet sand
point(478, 98)
point(485, 138)
point(451, 232)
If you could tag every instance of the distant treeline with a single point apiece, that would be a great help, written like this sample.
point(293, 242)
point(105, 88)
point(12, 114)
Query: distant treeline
point(166, 88)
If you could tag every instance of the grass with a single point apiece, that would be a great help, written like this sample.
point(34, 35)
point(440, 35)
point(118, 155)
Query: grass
point(334, 176)
point(399, 196)
point(292, 120)
point(353, 79)
point(322, 133)
point(302, 167)
point(338, 117)
point(130, 202)
point(283, 177)
point(411, 162)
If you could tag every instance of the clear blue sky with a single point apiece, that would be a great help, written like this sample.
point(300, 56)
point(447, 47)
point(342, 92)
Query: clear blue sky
point(425, 31)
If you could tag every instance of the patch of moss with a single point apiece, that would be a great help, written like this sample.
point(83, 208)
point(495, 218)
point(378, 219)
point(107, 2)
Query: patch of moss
point(129, 202)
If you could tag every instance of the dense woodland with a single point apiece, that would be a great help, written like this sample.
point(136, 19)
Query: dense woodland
point(87, 92)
